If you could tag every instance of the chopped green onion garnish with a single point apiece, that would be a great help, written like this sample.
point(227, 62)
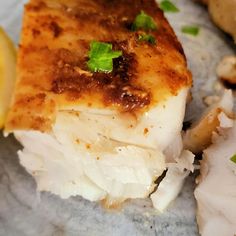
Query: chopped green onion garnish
point(101, 57)
point(233, 158)
point(193, 30)
point(168, 6)
point(147, 37)
point(144, 21)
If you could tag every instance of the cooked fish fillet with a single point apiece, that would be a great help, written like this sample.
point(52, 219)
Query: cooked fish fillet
point(216, 190)
point(99, 135)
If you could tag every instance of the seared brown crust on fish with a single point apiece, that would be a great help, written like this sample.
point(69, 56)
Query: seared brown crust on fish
point(52, 69)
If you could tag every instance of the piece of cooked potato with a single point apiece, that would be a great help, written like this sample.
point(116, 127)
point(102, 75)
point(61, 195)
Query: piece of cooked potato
point(223, 13)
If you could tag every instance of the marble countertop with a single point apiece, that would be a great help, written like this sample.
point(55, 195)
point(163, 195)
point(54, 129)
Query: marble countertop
point(24, 212)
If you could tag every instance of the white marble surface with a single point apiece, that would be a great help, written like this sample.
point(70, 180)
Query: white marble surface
point(24, 212)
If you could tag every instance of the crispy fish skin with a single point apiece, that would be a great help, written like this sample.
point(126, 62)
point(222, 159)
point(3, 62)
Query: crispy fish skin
point(52, 71)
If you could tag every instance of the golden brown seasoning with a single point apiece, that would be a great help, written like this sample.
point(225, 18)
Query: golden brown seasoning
point(55, 28)
point(117, 87)
point(54, 51)
point(88, 146)
point(145, 131)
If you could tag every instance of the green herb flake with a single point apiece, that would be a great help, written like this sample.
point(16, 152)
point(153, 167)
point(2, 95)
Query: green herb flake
point(101, 57)
point(233, 158)
point(168, 6)
point(144, 21)
point(147, 37)
point(192, 30)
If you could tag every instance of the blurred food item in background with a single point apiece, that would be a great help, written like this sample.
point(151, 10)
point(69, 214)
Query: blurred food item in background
point(204, 1)
point(226, 70)
point(223, 13)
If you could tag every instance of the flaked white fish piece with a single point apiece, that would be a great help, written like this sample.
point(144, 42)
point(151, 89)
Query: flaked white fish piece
point(216, 190)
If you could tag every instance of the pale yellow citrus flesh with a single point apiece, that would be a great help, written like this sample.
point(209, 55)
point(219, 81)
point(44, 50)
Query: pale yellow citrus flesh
point(7, 73)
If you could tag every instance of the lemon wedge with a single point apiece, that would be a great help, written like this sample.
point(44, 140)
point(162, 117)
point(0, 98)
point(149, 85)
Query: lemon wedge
point(7, 73)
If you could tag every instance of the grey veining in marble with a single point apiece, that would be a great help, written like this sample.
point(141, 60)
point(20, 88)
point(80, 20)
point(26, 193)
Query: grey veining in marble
point(24, 212)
